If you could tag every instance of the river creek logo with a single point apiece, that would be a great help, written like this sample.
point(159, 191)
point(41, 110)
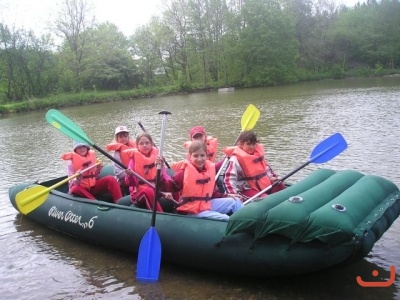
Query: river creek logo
point(378, 283)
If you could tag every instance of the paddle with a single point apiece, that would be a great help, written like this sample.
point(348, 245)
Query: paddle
point(29, 199)
point(149, 256)
point(248, 121)
point(323, 152)
point(59, 121)
point(144, 130)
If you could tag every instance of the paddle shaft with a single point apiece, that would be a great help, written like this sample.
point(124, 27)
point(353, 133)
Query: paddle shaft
point(225, 160)
point(60, 183)
point(122, 165)
point(165, 161)
point(158, 175)
point(276, 182)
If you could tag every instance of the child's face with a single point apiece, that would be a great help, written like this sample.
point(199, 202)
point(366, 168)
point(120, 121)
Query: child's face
point(199, 137)
point(123, 137)
point(248, 147)
point(198, 158)
point(144, 145)
point(81, 150)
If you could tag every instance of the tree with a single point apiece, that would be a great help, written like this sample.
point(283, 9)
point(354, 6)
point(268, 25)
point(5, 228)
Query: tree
point(110, 65)
point(73, 24)
point(267, 43)
point(147, 48)
point(26, 64)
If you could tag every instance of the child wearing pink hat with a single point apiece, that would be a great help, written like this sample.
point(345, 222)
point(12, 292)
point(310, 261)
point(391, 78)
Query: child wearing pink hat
point(199, 133)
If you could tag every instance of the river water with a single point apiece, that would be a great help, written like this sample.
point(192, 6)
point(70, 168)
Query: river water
point(38, 263)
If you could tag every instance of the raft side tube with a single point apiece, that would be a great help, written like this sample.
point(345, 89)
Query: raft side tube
point(291, 216)
point(248, 218)
point(352, 213)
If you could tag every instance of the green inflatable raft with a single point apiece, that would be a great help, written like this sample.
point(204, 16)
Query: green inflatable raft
point(326, 220)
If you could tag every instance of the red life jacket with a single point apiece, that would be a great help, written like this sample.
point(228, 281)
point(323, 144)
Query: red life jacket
point(197, 189)
point(212, 147)
point(145, 166)
point(121, 147)
point(253, 165)
point(81, 162)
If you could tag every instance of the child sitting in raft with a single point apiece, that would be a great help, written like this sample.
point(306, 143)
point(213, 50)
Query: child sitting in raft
point(248, 172)
point(120, 143)
point(196, 181)
point(198, 133)
point(88, 185)
point(143, 162)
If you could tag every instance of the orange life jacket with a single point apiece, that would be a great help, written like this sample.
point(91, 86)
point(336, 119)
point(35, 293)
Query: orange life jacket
point(212, 147)
point(176, 166)
point(81, 162)
point(254, 166)
point(121, 147)
point(145, 166)
point(197, 189)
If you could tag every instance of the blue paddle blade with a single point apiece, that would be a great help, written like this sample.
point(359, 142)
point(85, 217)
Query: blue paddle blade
point(149, 257)
point(328, 149)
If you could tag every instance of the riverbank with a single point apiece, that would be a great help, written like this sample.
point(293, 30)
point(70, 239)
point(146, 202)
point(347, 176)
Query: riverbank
point(83, 98)
point(92, 97)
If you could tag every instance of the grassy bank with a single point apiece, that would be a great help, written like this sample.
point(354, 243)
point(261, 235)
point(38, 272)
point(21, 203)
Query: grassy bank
point(83, 98)
point(90, 97)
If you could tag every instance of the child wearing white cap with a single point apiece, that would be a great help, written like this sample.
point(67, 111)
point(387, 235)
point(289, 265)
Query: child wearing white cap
point(121, 142)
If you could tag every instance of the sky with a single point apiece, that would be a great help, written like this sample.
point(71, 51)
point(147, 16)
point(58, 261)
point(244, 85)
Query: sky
point(127, 15)
point(35, 14)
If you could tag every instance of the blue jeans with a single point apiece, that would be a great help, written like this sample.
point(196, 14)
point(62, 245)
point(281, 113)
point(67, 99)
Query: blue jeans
point(220, 207)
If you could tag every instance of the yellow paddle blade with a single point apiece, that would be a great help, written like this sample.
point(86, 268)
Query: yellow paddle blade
point(250, 117)
point(29, 199)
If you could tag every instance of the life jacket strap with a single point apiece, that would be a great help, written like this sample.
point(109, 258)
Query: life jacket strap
point(258, 159)
point(256, 177)
point(203, 180)
point(185, 200)
point(148, 167)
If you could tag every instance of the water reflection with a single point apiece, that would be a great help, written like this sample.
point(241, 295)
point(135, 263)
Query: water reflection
point(76, 269)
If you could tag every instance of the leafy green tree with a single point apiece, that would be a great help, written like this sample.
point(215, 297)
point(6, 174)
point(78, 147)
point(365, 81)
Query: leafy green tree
point(147, 47)
point(176, 19)
point(110, 65)
point(266, 44)
point(26, 64)
point(73, 24)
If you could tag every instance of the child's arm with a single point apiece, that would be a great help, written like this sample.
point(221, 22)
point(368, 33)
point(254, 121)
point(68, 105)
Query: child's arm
point(174, 183)
point(118, 170)
point(70, 172)
point(232, 176)
point(131, 180)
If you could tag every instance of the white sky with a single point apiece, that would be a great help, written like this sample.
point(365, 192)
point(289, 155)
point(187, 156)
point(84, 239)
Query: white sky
point(127, 15)
point(35, 14)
